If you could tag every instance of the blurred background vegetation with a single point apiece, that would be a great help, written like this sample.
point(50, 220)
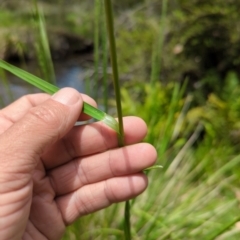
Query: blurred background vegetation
point(191, 103)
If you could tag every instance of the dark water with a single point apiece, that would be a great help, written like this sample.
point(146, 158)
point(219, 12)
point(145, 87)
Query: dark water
point(69, 74)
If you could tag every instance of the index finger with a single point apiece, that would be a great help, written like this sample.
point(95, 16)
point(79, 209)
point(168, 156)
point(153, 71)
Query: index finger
point(91, 139)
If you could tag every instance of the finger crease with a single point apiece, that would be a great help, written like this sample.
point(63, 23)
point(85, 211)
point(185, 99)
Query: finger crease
point(81, 205)
point(76, 164)
point(106, 193)
point(110, 164)
point(69, 147)
point(5, 117)
point(103, 137)
point(84, 174)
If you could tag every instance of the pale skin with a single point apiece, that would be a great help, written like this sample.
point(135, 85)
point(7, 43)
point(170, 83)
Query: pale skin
point(52, 173)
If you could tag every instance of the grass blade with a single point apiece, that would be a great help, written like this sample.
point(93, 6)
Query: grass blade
point(6, 85)
point(127, 223)
point(158, 46)
point(97, 14)
point(113, 54)
point(51, 89)
point(42, 47)
point(153, 167)
point(227, 227)
point(103, 36)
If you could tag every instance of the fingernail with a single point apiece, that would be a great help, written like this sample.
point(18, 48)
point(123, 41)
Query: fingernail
point(66, 96)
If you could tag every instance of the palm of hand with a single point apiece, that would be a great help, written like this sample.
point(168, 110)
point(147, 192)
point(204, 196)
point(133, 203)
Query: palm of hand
point(79, 173)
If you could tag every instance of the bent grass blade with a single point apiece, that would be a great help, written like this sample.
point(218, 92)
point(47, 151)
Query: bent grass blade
point(51, 89)
point(153, 167)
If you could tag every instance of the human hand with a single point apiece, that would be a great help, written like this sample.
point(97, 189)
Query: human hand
point(52, 172)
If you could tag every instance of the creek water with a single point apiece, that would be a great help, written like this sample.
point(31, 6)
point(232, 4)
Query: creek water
point(68, 74)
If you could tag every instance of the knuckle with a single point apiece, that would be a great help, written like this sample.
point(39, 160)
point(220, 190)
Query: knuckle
point(45, 115)
point(109, 193)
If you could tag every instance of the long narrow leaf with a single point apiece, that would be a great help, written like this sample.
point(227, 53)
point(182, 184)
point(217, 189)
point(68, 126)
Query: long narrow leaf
point(51, 89)
point(113, 56)
point(42, 46)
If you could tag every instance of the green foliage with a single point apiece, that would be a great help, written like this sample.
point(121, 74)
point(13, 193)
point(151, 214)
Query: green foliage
point(207, 34)
point(196, 133)
point(51, 89)
point(220, 115)
point(126, 4)
point(160, 107)
point(200, 37)
point(195, 195)
point(138, 37)
point(42, 47)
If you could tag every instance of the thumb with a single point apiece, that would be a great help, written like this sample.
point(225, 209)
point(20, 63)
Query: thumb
point(23, 143)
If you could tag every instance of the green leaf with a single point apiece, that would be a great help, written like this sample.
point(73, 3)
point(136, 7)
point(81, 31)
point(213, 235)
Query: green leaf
point(153, 167)
point(51, 89)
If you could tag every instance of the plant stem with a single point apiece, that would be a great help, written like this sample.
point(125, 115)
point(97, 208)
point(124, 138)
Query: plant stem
point(6, 85)
point(97, 12)
point(127, 222)
point(42, 47)
point(158, 46)
point(231, 224)
point(105, 59)
point(113, 54)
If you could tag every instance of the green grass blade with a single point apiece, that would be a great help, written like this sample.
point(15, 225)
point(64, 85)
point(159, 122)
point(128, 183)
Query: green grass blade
point(103, 36)
point(227, 227)
point(158, 46)
point(28, 77)
point(43, 48)
point(153, 167)
point(51, 89)
point(6, 85)
point(113, 54)
point(97, 14)
point(127, 222)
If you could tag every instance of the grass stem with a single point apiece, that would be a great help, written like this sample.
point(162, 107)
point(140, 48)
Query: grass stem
point(113, 54)
point(42, 47)
point(97, 13)
point(227, 227)
point(158, 46)
point(105, 59)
